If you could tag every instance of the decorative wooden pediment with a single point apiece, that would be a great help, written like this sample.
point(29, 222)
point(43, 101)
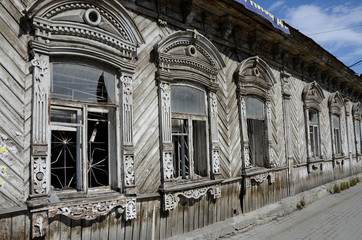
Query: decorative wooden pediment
point(336, 103)
point(313, 95)
point(85, 22)
point(357, 110)
point(188, 55)
point(255, 77)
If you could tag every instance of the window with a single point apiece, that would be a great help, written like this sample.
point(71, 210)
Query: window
point(189, 132)
point(255, 115)
point(357, 128)
point(314, 133)
point(83, 107)
point(337, 134)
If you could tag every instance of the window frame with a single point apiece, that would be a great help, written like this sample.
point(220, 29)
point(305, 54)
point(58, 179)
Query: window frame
point(337, 141)
point(266, 162)
point(190, 118)
point(316, 135)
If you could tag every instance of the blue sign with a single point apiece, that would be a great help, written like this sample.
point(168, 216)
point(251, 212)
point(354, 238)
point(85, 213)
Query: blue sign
point(277, 23)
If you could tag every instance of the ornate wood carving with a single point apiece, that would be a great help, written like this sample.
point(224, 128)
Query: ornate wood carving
point(39, 224)
point(40, 129)
point(167, 165)
point(40, 101)
point(127, 110)
point(336, 103)
point(129, 170)
point(40, 175)
point(171, 200)
point(254, 77)
point(91, 211)
point(259, 179)
point(131, 210)
point(165, 93)
point(72, 18)
point(313, 96)
point(214, 134)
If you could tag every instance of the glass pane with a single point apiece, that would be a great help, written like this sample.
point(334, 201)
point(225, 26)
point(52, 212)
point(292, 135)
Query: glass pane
point(335, 120)
point(313, 116)
point(257, 144)
point(83, 83)
point(179, 126)
point(312, 143)
point(254, 108)
point(64, 159)
point(65, 116)
point(199, 145)
point(189, 100)
point(316, 140)
point(98, 168)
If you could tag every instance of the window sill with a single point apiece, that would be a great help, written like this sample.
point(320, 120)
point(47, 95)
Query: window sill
point(89, 206)
point(261, 170)
point(176, 186)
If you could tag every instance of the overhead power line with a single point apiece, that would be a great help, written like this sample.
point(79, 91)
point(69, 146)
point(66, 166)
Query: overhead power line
point(335, 30)
point(357, 63)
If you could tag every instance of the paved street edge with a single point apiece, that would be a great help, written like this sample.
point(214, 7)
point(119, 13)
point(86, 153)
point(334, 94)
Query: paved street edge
point(263, 215)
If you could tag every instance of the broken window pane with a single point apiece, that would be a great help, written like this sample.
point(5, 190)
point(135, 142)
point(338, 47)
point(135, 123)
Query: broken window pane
point(98, 166)
point(83, 83)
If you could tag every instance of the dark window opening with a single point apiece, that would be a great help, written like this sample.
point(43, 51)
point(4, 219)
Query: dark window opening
point(314, 133)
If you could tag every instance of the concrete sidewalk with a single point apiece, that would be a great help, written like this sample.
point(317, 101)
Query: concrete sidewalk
point(237, 227)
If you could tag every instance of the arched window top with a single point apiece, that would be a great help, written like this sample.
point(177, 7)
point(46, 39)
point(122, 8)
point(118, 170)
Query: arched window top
point(357, 110)
point(313, 96)
point(255, 77)
point(84, 23)
point(188, 55)
point(336, 103)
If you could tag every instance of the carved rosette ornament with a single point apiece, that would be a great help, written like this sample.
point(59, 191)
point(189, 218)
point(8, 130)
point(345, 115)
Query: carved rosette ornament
point(129, 170)
point(171, 200)
point(40, 179)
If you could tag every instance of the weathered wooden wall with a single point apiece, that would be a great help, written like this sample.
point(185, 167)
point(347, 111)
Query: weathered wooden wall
point(15, 101)
point(152, 222)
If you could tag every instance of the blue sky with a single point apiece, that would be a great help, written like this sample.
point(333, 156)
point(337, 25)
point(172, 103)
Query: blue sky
point(335, 25)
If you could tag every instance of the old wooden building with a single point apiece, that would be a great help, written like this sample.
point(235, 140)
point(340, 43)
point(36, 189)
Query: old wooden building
point(145, 119)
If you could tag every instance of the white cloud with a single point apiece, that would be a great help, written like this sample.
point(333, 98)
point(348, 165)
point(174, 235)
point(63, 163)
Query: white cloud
point(276, 5)
point(311, 19)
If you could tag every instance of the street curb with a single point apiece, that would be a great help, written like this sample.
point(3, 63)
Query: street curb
point(263, 215)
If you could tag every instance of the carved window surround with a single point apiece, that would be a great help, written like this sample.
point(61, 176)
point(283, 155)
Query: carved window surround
point(312, 96)
point(114, 45)
point(336, 104)
point(357, 117)
point(204, 62)
point(254, 78)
